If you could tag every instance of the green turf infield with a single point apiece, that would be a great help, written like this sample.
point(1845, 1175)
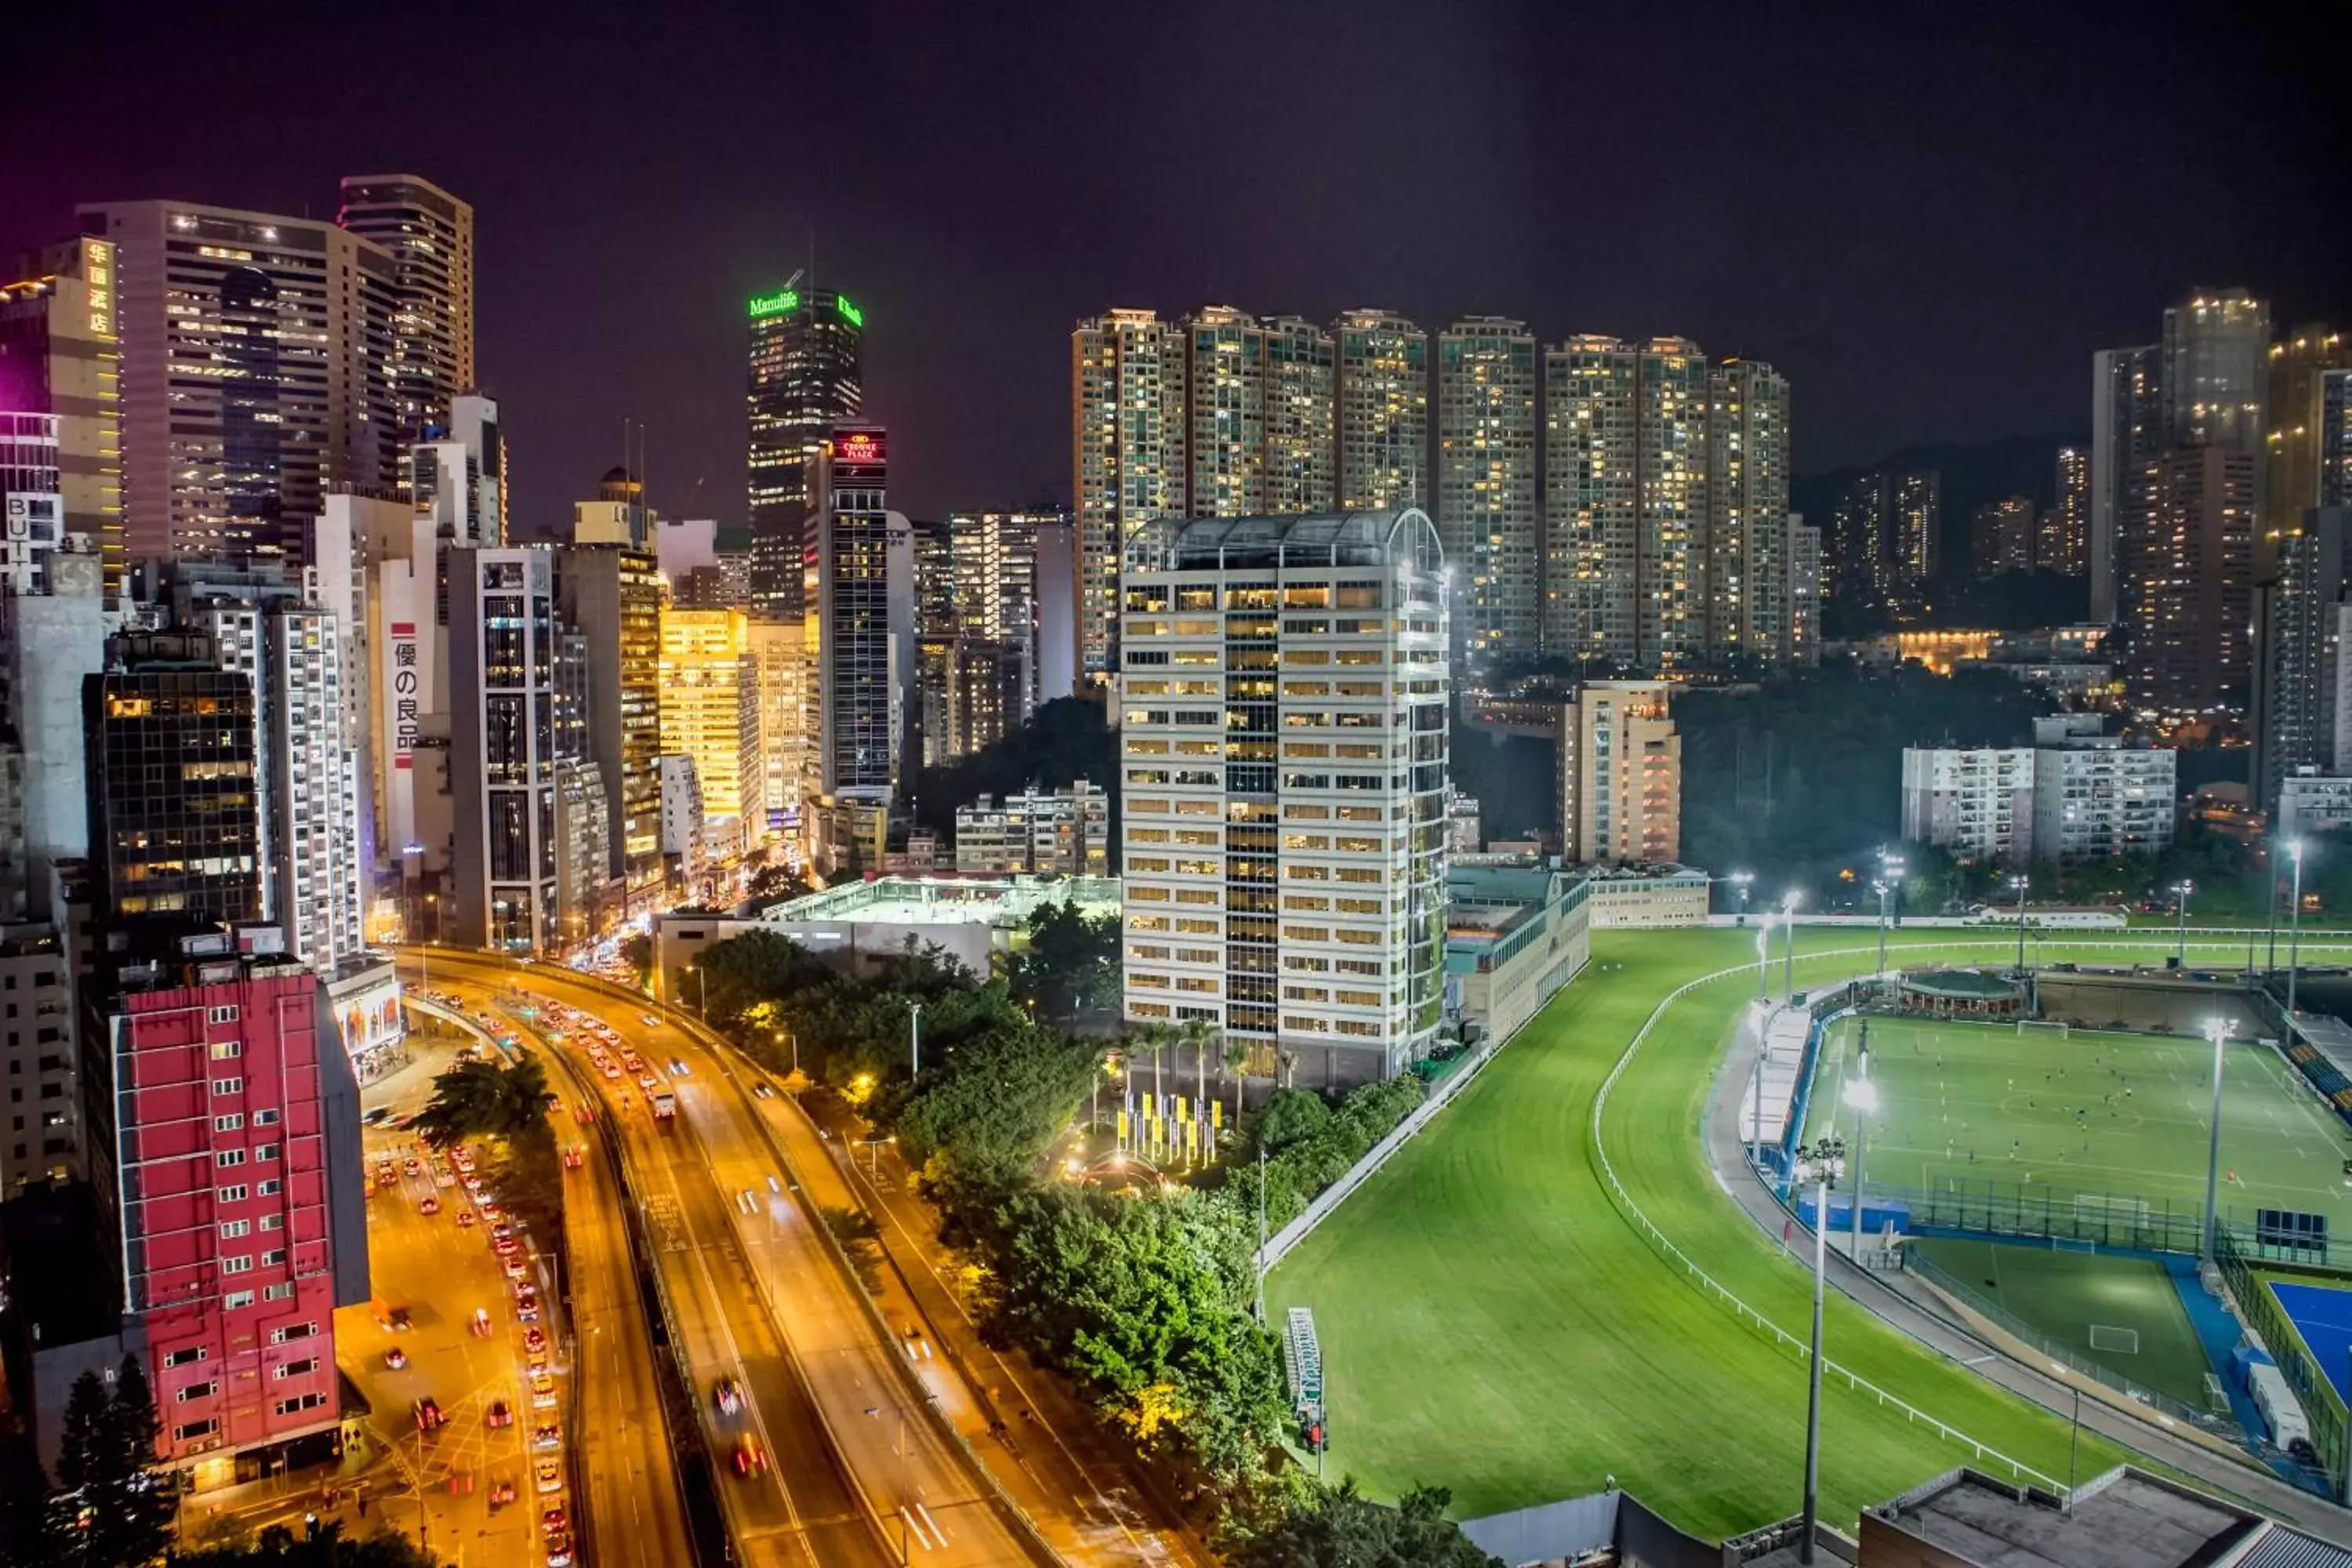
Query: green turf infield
point(1492, 1319)
point(2122, 1313)
point(2102, 1130)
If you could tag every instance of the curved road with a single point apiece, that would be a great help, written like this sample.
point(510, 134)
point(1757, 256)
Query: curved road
point(858, 1474)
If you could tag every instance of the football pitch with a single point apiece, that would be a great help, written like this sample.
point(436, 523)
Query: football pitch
point(2112, 1127)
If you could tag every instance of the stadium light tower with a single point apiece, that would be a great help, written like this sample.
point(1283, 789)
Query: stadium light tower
point(2180, 891)
point(1890, 877)
point(1742, 880)
point(2295, 934)
point(1821, 1165)
point(2216, 1030)
point(1788, 918)
point(1861, 1097)
point(2021, 882)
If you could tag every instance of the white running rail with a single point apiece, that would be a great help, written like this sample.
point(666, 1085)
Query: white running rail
point(1706, 1283)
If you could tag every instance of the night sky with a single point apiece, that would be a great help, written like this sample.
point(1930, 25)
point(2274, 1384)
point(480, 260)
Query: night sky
point(1928, 217)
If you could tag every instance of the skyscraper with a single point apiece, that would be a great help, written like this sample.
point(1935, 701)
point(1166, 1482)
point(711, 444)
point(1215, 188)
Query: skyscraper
point(2188, 567)
point(1128, 429)
point(806, 375)
point(1224, 413)
point(430, 235)
point(175, 781)
point(862, 591)
point(2305, 684)
point(2000, 537)
point(1747, 569)
point(460, 477)
point(710, 712)
point(1285, 868)
point(1915, 527)
point(1861, 560)
point(1301, 456)
point(2127, 428)
point(2216, 373)
point(613, 595)
point(2296, 424)
point(61, 355)
point(503, 680)
point(1382, 390)
point(1804, 592)
point(1487, 460)
point(1622, 775)
point(256, 374)
point(2063, 544)
point(1625, 519)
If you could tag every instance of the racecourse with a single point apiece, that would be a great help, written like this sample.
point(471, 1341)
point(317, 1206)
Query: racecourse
point(1493, 1321)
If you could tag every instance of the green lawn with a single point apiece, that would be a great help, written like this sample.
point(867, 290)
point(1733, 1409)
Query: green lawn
point(1492, 1322)
point(2098, 1123)
point(2063, 1294)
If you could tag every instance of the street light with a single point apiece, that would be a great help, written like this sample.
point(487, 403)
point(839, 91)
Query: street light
point(2216, 1030)
point(2294, 933)
point(1788, 918)
point(1763, 953)
point(701, 995)
point(1861, 1097)
point(915, 1039)
point(1823, 1164)
point(2182, 889)
point(1890, 876)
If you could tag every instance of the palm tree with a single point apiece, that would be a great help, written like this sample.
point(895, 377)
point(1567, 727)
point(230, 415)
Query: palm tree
point(1237, 1056)
point(480, 1098)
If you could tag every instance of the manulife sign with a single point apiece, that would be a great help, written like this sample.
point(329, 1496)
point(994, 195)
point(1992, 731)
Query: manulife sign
point(786, 301)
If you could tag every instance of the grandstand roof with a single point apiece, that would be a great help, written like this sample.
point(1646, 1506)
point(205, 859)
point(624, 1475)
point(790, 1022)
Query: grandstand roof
point(1958, 982)
point(943, 900)
point(2124, 1519)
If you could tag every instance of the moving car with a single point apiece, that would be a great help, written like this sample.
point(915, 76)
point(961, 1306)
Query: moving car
point(429, 1204)
point(506, 1245)
point(396, 1359)
point(746, 1202)
point(558, 1549)
point(650, 1021)
point(747, 1457)
point(548, 1474)
point(554, 1521)
point(500, 1414)
point(547, 1437)
point(517, 1266)
point(762, 1087)
point(501, 1493)
point(728, 1394)
point(676, 1067)
point(574, 1156)
point(410, 1167)
point(427, 1415)
point(775, 1186)
point(464, 1216)
point(481, 1323)
point(534, 1338)
point(542, 1392)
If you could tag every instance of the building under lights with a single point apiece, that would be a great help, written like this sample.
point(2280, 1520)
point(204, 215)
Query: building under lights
point(1284, 692)
point(430, 235)
point(806, 375)
point(1380, 393)
point(710, 712)
point(1487, 460)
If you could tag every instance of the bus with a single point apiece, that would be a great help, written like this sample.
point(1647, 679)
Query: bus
point(665, 1108)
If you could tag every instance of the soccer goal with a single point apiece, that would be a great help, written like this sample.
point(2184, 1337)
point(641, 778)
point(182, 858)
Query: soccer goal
point(2055, 1027)
point(2114, 1341)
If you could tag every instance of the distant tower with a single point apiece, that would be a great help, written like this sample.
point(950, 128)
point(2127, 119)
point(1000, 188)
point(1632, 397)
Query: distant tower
point(430, 233)
point(805, 374)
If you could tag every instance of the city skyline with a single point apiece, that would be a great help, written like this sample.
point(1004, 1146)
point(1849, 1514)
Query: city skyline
point(879, 207)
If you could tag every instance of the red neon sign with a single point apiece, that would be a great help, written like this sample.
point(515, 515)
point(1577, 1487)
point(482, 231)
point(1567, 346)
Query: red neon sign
point(858, 449)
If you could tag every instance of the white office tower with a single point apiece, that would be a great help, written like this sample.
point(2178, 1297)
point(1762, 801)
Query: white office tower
point(459, 479)
point(50, 641)
point(505, 676)
point(1283, 699)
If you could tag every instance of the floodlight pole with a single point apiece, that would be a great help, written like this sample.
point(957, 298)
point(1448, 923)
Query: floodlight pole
point(2217, 1030)
point(2295, 938)
point(1813, 1393)
point(2180, 940)
point(1788, 966)
point(2020, 926)
point(1860, 1097)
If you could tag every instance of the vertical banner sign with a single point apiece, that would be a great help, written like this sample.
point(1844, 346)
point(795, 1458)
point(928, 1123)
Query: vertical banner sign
point(404, 694)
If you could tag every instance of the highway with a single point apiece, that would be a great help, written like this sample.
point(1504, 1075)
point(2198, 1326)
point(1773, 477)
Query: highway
point(797, 1506)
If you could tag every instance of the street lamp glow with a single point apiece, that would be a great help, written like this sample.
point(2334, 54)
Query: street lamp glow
point(1789, 918)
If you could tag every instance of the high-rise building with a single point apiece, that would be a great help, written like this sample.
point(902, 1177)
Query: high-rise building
point(1286, 819)
point(1976, 801)
point(460, 478)
point(786, 675)
point(1381, 390)
point(2096, 798)
point(2303, 656)
point(710, 712)
point(806, 375)
point(175, 781)
point(1622, 768)
point(39, 1055)
point(2127, 428)
point(1301, 450)
point(430, 235)
point(2216, 375)
point(1916, 529)
point(1224, 413)
point(2063, 543)
point(266, 627)
point(1000, 571)
point(51, 641)
point(1804, 557)
point(1747, 570)
point(1860, 560)
point(256, 374)
point(1487, 460)
point(61, 355)
point(861, 600)
point(613, 595)
point(2295, 425)
point(503, 684)
point(1127, 430)
point(2000, 537)
point(232, 1179)
point(2188, 578)
point(1626, 502)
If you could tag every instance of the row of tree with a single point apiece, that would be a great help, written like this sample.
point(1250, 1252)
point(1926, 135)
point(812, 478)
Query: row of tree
point(1144, 1297)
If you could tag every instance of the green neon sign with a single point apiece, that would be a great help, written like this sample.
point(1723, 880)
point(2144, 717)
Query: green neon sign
point(775, 304)
point(850, 313)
